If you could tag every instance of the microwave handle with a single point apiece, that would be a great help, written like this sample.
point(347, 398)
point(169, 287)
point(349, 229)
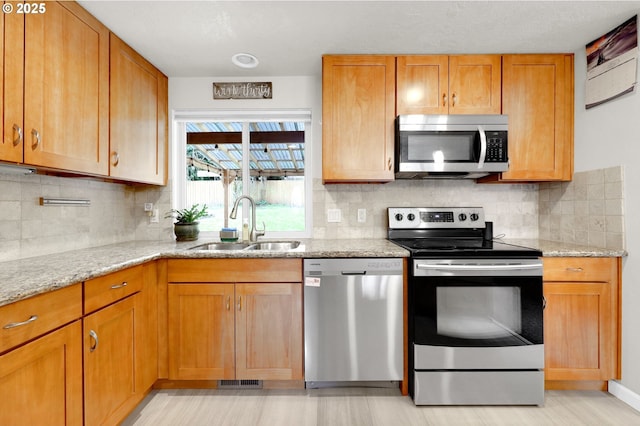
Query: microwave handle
point(483, 147)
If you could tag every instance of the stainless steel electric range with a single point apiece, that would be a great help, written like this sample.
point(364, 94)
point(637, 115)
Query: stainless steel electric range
point(475, 310)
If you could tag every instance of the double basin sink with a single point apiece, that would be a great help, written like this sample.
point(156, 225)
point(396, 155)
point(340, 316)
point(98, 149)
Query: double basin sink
point(260, 245)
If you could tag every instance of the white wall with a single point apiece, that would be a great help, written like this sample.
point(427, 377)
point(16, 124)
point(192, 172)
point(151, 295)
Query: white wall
point(609, 135)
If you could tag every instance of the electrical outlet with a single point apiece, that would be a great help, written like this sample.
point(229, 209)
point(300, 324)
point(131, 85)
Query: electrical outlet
point(334, 215)
point(148, 207)
point(362, 215)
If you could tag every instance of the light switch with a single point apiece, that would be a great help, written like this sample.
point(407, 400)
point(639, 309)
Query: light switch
point(334, 215)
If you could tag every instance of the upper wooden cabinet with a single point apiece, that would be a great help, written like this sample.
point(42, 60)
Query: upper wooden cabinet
point(358, 112)
point(440, 84)
point(138, 118)
point(66, 90)
point(538, 97)
point(11, 86)
point(72, 92)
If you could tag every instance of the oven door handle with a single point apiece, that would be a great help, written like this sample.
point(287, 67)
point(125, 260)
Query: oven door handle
point(467, 267)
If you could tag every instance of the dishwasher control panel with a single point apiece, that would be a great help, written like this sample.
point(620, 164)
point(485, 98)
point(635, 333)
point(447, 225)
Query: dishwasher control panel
point(356, 266)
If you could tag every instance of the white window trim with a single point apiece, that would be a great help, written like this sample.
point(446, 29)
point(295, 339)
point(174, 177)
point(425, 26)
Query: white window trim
point(179, 146)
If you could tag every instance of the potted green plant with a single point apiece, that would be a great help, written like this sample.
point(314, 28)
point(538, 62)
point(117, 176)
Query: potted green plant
point(186, 225)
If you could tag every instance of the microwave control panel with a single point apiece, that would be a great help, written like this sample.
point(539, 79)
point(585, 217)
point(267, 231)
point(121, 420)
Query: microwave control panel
point(496, 147)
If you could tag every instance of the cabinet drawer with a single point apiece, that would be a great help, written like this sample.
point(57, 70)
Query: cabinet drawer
point(100, 292)
point(578, 268)
point(235, 270)
point(37, 315)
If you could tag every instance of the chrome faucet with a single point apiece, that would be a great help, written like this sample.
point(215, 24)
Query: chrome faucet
point(255, 232)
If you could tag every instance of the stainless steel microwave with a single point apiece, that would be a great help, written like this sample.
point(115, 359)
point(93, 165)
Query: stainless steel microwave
point(451, 146)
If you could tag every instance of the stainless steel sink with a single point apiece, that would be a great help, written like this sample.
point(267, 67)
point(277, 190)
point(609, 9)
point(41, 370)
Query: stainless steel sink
point(274, 245)
point(221, 246)
point(262, 245)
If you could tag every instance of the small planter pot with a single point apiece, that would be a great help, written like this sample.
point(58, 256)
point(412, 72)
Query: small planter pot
point(186, 231)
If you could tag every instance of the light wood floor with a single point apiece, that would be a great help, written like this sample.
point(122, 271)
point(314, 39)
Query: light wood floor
point(359, 406)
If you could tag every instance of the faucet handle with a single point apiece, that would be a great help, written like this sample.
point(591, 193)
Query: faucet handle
point(260, 232)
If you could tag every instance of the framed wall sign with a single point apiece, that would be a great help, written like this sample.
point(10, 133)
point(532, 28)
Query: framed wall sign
point(246, 90)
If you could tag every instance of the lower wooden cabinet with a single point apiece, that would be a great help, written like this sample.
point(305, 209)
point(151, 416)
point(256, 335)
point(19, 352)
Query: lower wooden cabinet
point(581, 322)
point(41, 382)
point(235, 330)
point(120, 330)
point(109, 363)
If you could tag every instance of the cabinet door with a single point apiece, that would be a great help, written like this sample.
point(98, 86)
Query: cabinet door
point(578, 333)
point(537, 95)
point(138, 114)
point(201, 331)
point(66, 90)
point(11, 85)
point(440, 84)
point(269, 331)
point(475, 84)
point(358, 111)
point(41, 382)
point(109, 362)
point(423, 84)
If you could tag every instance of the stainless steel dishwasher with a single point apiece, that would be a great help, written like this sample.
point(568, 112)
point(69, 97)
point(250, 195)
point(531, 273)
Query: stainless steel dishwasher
point(353, 322)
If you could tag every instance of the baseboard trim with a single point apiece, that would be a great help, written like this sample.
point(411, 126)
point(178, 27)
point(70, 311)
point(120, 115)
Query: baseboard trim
point(624, 394)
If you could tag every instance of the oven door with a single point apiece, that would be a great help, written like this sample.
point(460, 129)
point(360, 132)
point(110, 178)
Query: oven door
point(477, 314)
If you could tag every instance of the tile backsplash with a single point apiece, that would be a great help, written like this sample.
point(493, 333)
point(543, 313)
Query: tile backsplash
point(512, 208)
point(115, 215)
point(589, 210)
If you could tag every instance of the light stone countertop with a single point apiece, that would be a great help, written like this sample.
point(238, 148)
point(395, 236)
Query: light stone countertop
point(27, 277)
point(559, 249)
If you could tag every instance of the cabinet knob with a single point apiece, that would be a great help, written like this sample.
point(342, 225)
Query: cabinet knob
point(390, 163)
point(17, 131)
point(116, 158)
point(36, 138)
point(239, 303)
point(453, 100)
point(444, 99)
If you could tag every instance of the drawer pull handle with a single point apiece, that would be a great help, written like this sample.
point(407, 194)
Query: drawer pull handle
point(239, 303)
point(228, 302)
point(94, 336)
point(18, 324)
point(117, 286)
point(578, 269)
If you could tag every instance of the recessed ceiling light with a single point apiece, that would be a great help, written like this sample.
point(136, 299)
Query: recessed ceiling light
point(244, 60)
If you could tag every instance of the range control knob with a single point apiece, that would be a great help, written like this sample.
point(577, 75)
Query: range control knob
point(462, 217)
point(474, 217)
point(411, 216)
point(399, 217)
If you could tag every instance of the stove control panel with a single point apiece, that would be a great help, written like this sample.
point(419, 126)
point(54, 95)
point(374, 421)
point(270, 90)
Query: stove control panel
point(435, 217)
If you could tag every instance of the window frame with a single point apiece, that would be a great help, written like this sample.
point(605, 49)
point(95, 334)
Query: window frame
point(179, 166)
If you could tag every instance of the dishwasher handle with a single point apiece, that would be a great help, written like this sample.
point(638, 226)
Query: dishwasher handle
point(353, 272)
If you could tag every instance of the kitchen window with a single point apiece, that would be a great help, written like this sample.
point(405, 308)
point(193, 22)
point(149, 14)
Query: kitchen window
point(220, 156)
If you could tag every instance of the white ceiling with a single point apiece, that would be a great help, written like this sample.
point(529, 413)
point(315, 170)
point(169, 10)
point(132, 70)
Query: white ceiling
point(198, 38)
